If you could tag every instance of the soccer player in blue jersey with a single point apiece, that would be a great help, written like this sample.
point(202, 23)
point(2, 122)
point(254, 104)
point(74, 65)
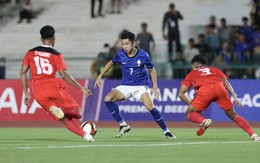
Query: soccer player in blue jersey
point(135, 81)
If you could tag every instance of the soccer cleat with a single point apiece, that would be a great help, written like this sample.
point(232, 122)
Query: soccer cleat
point(123, 130)
point(170, 135)
point(57, 112)
point(205, 124)
point(255, 137)
point(88, 138)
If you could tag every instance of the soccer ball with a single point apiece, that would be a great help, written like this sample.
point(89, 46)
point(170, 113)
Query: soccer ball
point(89, 127)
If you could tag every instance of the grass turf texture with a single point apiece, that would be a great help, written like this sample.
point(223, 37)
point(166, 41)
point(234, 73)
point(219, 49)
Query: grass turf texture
point(141, 145)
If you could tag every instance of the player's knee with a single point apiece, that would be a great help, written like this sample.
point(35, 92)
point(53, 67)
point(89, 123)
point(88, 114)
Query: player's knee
point(109, 99)
point(57, 112)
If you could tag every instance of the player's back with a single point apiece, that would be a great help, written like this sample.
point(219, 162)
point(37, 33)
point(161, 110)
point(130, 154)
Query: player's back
point(205, 75)
point(44, 62)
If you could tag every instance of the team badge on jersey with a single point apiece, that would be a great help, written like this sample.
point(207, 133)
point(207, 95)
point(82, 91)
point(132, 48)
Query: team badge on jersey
point(138, 63)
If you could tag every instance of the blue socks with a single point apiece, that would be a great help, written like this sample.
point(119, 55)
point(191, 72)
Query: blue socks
point(158, 119)
point(114, 111)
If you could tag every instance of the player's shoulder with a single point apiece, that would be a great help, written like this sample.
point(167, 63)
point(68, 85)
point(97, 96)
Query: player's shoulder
point(45, 49)
point(142, 52)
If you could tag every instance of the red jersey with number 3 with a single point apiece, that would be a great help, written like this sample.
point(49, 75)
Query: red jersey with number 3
point(203, 76)
point(44, 62)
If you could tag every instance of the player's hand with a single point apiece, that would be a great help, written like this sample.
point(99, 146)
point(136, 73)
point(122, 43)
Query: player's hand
point(87, 92)
point(156, 93)
point(237, 102)
point(98, 82)
point(27, 100)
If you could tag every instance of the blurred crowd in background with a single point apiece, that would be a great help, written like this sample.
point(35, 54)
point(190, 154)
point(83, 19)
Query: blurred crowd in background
point(223, 45)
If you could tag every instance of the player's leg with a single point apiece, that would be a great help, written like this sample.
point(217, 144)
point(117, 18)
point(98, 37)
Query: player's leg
point(194, 115)
point(71, 110)
point(148, 102)
point(242, 123)
point(200, 102)
point(110, 99)
point(170, 48)
point(225, 103)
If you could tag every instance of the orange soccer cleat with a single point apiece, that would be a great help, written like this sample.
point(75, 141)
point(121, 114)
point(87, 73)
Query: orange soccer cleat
point(205, 124)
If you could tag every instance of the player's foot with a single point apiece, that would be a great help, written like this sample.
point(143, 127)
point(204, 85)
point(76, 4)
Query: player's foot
point(123, 130)
point(169, 135)
point(88, 138)
point(205, 124)
point(57, 112)
point(255, 137)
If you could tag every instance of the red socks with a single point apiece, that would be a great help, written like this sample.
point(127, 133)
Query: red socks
point(242, 123)
point(195, 117)
point(73, 126)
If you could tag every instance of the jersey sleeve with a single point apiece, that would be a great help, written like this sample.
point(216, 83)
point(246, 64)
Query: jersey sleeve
point(116, 58)
point(148, 61)
point(187, 81)
point(26, 59)
point(60, 63)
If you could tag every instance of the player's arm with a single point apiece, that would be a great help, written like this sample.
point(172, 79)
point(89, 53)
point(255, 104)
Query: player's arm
point(183, 89)
point(231, 91)
point(70, 80)
point(23, 77)
point(102, 73)
point(154, 81)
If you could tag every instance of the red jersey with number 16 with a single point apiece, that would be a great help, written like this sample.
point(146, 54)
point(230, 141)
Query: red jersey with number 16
point(203, 76)
point(44, 62)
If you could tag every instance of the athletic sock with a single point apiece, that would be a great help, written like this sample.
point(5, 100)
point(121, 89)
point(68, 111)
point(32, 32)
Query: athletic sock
point(159, 119)
point(73, 126)
point(123, 123)
point(242, 123)
point(195, 117)
point(114, 111)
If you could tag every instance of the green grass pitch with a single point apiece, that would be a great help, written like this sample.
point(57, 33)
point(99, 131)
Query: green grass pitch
point(141, 145)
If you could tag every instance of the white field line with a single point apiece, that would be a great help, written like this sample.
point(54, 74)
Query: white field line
point(93, 145)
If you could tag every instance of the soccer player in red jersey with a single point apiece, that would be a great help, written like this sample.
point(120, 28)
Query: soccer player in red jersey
point(210, 85)
point(49, 91)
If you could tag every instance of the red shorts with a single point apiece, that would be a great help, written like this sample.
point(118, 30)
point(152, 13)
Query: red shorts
point(58, 97)
point(212, 93)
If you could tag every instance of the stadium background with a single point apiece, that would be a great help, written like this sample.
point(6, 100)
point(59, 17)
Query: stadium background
point(81, 38)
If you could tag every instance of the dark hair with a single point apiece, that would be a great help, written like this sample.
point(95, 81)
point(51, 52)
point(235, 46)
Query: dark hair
point(172, 5)
point(245, 19)
point(47, 31)
point(200, 59)
point(144, 24)
point(128, 35)
point(223, 19)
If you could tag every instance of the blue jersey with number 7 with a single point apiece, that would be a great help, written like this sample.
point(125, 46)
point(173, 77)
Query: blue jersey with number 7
point(134, 68)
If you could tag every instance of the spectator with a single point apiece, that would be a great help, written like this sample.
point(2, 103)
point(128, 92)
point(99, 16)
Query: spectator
point(93, 15)
point(255, 13)
point(212, 21)
point(202, 46)
point(241, 46)
point(26, 12)
point(220, 63)
point(171, 19)
point(116, 6)
point(103, 58)
point(246, 29)
point(225, 33)
point(190, 51)
point(212, 40)
point(145, 39)
point(178, 72)
point(226, 52)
